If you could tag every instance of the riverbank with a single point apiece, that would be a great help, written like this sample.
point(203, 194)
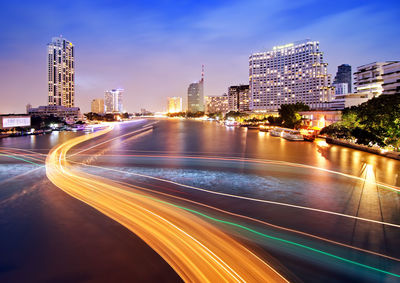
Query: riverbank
point(389, 154)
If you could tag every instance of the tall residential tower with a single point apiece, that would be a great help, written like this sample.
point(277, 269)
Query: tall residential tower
point(61, 72)
point(294, 72)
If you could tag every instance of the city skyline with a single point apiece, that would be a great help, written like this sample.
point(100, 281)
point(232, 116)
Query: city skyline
point(153, 64)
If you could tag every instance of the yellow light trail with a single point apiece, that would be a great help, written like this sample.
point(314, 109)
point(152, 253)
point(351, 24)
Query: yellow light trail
point(195, 249)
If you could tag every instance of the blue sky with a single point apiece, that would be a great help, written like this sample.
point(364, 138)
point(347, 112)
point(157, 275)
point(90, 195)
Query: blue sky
point(154, 49)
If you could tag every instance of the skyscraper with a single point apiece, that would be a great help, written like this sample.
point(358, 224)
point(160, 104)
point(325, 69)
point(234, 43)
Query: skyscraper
point(196, 95)
point(294, 72)
point(343, 75)
point(238, 98)
point(97, 106)
point(61, 72)
point(174, 104)
point(113, 101)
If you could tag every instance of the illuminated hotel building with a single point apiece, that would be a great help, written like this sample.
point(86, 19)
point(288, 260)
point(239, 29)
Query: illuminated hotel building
point(174, 104)
point(113, 101)
point(61, 72)
point(295, 72)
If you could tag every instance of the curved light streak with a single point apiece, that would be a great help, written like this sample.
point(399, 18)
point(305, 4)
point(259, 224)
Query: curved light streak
point(239, 215)
point(195, 249)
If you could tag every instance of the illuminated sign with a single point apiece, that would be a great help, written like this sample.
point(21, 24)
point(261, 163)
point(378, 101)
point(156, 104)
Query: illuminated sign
point(11, 122)
point(283, 46)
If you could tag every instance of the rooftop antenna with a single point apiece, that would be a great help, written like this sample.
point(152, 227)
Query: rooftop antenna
point(202, 73)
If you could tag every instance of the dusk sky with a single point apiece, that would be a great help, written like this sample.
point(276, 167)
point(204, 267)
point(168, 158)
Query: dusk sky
point(155, 49)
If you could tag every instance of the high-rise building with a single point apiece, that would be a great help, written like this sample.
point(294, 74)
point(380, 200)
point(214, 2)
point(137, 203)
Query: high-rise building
point(238, 98)
point(217, 104)
point(61, 72)
point(196, 95)
point(113, 101)
point(174, 104)
point(294, 72)
point(97, 106)
point(391, 78)
point(343, 75)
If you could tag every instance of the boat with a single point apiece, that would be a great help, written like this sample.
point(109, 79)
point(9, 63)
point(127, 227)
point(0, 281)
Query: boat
point(265, 128)
point(292, 135)
point(276, 132)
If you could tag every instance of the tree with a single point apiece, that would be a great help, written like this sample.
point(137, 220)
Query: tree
point(376, 121)
point(289, 114)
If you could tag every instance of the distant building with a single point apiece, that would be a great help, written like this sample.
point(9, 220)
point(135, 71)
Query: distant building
point(369, 78)
point(338, 102)
point(57, 111)
point(217, 104)
point(97, 106)
point(174, 104)
point(294, 72)
point(391, 78)
point(343, 75)
point(342, 101)
point(61, 72)
point(28, 106)
point(14, 121)
point(113, 101)
point(341, 88)
point(238, 98)
point(196, 95)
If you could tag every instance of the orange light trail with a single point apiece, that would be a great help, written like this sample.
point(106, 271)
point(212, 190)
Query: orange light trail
point(195, 249)
point(220, 210)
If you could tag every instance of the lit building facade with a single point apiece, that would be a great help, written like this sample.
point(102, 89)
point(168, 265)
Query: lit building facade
point(174, 104)
point(239, 98)
point(368, 79)
point(391, 78)
point(320, 119)
point(113, 101)
point(61, 72)
point(341, 88)
point(196, 95)
point(97, 106)
point(343, 76)
point(217, 104)
point(57, 111)
point(295, 72)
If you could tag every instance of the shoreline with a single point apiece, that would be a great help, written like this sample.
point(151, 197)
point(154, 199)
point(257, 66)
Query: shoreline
point(389, 154)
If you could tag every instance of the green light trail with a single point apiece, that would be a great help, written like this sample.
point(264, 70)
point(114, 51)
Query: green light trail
point(251, 230)
point(278, 239)
point(22, 159)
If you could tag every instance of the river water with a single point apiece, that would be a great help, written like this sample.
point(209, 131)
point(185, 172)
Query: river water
point(39, 223)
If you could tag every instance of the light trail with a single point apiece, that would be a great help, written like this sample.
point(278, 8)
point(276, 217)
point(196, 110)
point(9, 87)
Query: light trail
point(195, 249)
point(240, 215)
point(263, 161)
point(255, 199)
point(63, 160)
